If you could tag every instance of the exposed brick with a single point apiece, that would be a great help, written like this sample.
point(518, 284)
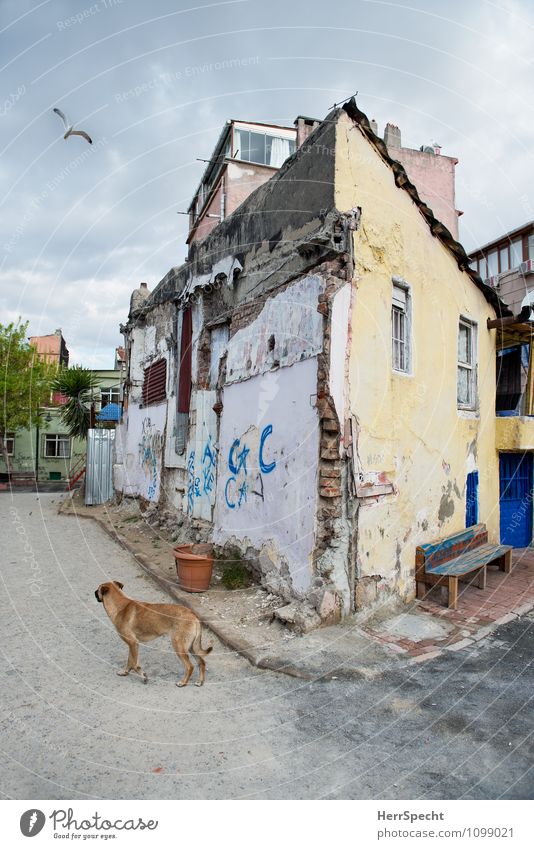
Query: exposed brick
point(330, 425)
point(329, 453)
point(330, 491)
point(330, 473)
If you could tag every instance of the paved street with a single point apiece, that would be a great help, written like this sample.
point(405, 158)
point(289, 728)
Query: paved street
point(458, 726)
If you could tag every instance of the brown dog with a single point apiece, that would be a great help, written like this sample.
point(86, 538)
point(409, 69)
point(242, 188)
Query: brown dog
point(139, 622)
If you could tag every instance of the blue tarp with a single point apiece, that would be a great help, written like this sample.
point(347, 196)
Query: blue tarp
point(110, 413)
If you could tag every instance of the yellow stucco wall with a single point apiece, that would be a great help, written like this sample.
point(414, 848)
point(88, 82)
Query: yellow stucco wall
point(515, 433)
point(410, 427)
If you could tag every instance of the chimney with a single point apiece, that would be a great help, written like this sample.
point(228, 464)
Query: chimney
point(392, 136)
point(304, 127)
point(374, 126)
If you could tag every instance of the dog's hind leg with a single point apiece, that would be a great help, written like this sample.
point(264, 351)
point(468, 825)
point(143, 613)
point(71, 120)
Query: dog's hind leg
point(201, 663)
point(199, 654)
point(133, 658)
point(182, 653)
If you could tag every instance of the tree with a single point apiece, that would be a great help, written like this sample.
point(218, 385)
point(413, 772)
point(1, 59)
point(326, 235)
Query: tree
point(77, 384)
point(25, 383)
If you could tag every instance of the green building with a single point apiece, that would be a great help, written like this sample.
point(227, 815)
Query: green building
point(49, 449)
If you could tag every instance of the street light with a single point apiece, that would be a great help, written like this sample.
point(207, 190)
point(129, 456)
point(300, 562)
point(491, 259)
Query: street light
point(47, 419)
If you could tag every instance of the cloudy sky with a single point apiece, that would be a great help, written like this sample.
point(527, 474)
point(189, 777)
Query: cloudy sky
point(154, 82)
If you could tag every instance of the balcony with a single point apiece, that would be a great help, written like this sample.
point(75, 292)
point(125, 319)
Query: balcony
point(514, 433)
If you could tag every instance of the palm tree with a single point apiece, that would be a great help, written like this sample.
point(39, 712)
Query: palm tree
point(78, 385)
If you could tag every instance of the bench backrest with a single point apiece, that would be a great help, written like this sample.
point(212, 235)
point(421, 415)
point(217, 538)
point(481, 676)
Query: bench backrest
point(442, 550)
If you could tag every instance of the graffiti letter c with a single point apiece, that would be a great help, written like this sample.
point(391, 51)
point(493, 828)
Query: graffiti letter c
point(265, 467)
point(231, 504)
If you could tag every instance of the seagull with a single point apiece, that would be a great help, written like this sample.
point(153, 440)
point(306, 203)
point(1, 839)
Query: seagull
point(70, 128)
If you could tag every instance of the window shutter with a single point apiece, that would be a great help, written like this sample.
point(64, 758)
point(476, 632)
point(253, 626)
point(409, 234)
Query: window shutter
point(184, 379)
point(155, 383)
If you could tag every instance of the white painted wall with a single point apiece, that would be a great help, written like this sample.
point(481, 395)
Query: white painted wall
point(140, 441)
point(201, 456)
point(267, 486)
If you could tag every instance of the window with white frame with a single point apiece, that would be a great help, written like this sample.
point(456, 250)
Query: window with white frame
point(56, 445)
point(466, 389)
point(400, 328)
point(109, 395)
point(9, 442)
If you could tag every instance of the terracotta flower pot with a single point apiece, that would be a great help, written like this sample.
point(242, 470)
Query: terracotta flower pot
point(193, 570)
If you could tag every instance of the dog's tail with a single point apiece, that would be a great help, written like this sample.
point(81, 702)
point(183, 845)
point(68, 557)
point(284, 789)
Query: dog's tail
point(196, 648)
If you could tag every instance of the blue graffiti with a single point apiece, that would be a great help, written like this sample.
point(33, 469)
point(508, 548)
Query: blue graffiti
point(193, 483)
point(209, 461)
point(231, 504)
point(266, 468)
point(241, 463)
point(236, 492)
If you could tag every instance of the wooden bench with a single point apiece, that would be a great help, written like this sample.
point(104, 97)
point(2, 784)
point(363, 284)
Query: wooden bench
point(463, 556)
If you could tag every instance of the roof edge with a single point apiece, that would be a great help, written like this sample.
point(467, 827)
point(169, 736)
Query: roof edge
point(436, 227)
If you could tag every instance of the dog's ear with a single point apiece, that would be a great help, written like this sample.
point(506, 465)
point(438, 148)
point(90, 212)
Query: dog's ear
point(118, 584)
point(103, 589)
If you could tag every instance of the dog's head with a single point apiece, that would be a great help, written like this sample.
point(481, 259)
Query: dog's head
point(101, 591)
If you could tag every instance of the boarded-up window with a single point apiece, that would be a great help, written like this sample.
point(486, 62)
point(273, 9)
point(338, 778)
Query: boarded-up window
point(155, 383)
point(185, 335)
point(184, 372)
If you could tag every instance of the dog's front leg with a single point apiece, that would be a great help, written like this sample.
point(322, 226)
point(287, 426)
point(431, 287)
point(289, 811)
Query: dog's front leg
point(132, 662)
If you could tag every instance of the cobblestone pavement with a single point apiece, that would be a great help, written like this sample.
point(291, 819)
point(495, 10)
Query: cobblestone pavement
point(457, 726)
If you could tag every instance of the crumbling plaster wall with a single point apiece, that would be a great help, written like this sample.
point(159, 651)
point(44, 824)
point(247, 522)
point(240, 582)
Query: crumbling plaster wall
point(140, 450)
point(408, 430)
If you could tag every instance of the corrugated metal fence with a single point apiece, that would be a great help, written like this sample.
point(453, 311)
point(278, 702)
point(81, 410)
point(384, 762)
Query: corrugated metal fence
point(99, 471)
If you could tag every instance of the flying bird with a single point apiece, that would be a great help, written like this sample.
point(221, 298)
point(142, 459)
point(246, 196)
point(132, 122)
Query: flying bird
point(70, 128)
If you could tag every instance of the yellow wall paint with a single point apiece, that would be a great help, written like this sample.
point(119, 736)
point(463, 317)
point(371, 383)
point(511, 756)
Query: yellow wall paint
point(515, 433)
point(410, 427)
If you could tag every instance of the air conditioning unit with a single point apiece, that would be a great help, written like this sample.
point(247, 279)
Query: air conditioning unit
point(527, 267)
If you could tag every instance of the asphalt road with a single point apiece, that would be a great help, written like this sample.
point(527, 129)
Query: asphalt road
point(459, 726)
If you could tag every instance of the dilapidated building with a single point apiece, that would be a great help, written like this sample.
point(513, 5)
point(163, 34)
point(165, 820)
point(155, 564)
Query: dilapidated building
point(316, 384)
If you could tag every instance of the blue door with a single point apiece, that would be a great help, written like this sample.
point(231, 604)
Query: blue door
point(516, 499)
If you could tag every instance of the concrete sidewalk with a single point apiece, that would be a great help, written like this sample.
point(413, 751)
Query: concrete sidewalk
point(360, 648)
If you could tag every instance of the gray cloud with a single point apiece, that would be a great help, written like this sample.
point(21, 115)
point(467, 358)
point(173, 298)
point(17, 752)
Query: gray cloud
point(153, 84)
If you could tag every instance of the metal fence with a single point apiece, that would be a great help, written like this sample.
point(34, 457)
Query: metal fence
point(99, 471)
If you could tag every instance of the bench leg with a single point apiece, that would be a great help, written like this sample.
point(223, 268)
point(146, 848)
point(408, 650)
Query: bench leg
point(482, 578)
point(505, 563)
point(421, 589)
point(453, 592)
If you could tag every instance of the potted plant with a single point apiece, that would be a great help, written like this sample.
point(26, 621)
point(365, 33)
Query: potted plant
point(194, 567)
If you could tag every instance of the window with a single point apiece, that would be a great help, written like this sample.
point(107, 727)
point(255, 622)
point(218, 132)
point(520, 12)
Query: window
point(56, 445)
point(110, 395)
point(504, 259)
point(155, 383)
point(400, 328)
point(493, 264)
point(466, 392)
point(516, 253)
point(482, 267)
point(262, 148)
point(9, 442)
